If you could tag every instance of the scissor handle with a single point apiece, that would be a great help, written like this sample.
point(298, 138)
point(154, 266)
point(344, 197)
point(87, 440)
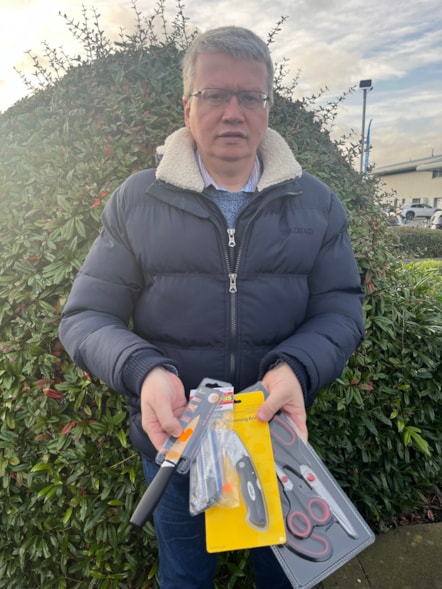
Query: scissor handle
point(316, 548)
point(302, 523)
point(324, 515)
point(277, 423)
point(299, 524)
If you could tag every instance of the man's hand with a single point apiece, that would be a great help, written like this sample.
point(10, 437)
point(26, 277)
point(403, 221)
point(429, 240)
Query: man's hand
point(162, 403)
point(285, 393)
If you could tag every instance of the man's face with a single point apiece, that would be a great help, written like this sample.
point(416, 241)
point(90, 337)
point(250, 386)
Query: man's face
point(230, 132)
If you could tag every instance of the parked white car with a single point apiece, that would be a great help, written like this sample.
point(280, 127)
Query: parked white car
point(436, 220)
point(416, 209)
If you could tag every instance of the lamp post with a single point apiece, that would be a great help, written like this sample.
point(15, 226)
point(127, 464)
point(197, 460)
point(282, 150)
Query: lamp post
point(366, 86)
point(367, 148)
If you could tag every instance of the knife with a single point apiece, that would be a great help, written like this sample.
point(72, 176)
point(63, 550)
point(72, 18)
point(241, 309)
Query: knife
point(194, 421)
point(250, 485)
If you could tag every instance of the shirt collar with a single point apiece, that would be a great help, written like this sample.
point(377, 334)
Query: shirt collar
point(250, 186)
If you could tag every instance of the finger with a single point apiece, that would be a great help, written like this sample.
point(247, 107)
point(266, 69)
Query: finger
point(170, 424)
point(268, 409)
point(159, 440)
point(300, 421)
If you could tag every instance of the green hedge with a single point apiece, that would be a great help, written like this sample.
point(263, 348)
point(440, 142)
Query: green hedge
point(418, 242)
point(379, 425)
point(70, 478)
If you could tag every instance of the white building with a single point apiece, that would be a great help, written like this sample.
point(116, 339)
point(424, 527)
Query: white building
point(418, 181)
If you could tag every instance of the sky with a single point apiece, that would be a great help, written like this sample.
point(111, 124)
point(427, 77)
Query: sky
point(330, 45)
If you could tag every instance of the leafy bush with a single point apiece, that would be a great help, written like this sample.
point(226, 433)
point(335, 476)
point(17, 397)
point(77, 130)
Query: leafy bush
point(383, 425)
point(432, 269)
point(418, 242)
point(69, 476)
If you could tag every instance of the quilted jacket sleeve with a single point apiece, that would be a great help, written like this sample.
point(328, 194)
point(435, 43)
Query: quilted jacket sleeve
point(333, 326)
point(94, 327)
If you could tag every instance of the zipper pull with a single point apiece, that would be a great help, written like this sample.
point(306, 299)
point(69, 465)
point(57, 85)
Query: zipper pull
point(231, 235)
point(232, 286)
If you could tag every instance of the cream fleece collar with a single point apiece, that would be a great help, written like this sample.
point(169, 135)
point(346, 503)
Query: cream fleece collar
point(178, 165)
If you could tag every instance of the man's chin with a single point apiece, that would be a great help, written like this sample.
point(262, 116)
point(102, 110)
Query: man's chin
point(232, 155)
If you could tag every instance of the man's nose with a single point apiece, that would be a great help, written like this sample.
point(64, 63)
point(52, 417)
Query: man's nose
point(232, 108)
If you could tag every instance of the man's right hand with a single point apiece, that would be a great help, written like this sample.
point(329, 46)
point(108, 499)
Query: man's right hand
point(163, 401)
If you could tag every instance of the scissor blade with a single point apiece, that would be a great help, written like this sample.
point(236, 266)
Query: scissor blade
point(283, 478)
point(320, 489)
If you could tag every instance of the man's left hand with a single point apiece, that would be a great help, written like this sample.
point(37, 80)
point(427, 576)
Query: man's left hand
point(285, 393)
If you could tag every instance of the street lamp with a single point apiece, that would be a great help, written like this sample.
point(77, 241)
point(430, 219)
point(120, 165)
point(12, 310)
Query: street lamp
point(366, 86)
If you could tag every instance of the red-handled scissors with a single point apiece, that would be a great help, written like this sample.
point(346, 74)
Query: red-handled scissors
point(304, 513)
point(290, 450)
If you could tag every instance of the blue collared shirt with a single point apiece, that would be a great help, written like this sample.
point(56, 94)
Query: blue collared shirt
point(250, 186)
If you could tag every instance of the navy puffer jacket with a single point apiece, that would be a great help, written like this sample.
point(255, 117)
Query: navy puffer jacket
point(212, 302)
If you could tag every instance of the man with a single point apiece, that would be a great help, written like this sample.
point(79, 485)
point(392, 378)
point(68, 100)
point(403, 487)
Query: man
point(230, 263)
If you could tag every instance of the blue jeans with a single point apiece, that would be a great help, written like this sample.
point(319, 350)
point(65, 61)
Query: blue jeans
point(184, 562)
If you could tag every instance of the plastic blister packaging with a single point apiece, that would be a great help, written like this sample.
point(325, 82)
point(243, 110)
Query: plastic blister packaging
point(196, 420)
point(212, 481)
point(257, 520)
point(323, 528)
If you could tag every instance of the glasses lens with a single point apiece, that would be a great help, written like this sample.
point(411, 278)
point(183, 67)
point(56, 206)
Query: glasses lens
point(249, 99)
point(215, 96)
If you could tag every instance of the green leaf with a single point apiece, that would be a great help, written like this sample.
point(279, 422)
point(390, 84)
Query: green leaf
point(68, 515)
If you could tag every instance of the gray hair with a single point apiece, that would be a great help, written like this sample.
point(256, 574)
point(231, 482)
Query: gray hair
point(237, 42)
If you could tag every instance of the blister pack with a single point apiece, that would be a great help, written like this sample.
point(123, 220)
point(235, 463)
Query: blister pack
point(257, 520)
point(324, 530)
point(211, 478)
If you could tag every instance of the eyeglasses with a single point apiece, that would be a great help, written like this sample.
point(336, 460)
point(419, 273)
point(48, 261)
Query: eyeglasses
point(215, 97)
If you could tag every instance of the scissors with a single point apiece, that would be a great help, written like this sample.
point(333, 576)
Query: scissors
point(302, 489)
point(304, 513)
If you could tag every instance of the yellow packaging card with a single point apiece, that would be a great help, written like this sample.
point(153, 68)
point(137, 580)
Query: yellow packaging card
point(258, 519)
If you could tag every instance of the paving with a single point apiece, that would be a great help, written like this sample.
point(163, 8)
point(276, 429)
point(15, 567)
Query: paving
point(408, 557)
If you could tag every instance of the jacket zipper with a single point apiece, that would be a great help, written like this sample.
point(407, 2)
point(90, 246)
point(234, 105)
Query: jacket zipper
point(232, 244)
point(232, 264)
point(230, 258)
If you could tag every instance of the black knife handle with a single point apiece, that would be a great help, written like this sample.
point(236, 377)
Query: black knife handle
point(252, 493)
point(152, 495)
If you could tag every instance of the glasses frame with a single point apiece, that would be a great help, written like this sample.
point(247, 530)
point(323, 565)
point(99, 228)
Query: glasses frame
point(229, 94)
